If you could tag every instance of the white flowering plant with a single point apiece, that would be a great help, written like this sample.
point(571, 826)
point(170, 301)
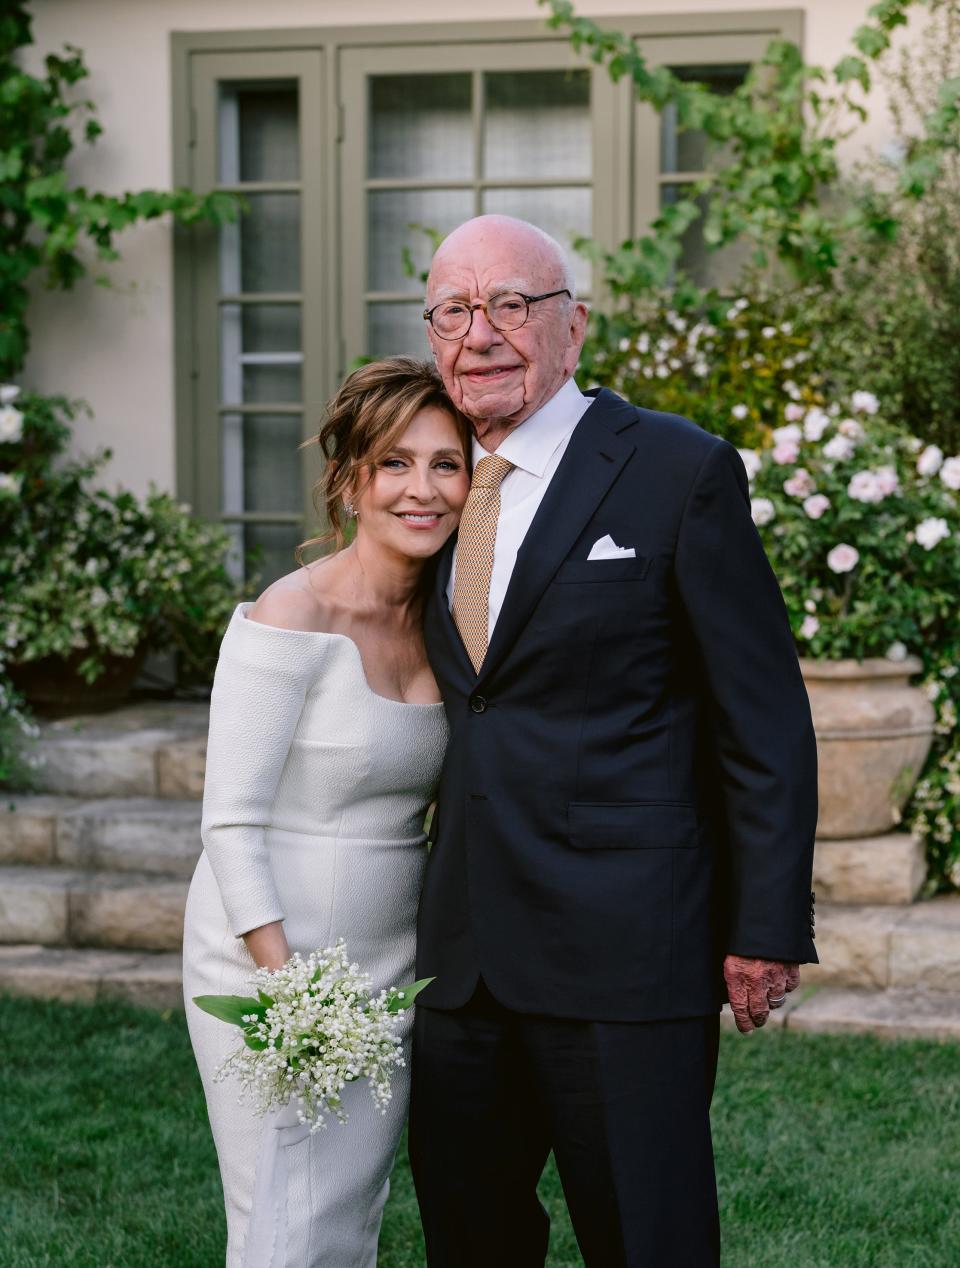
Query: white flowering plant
point(725, 360)
point(314, 1026)
point(86, 570)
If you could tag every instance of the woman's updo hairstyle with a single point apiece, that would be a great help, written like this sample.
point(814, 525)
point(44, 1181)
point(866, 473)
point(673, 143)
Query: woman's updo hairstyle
point(373, 408)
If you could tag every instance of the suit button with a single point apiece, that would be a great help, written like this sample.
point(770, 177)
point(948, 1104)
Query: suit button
point(478, 704)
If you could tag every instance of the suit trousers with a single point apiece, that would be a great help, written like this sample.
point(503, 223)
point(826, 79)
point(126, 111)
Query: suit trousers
point(623, 1105)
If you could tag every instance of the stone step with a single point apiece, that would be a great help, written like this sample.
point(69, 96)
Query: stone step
point(124, 834)
point(152, 749)
point(874, 948)
point(900, 1013)
point(888, 869)
point(59, 906)
point(150, 979)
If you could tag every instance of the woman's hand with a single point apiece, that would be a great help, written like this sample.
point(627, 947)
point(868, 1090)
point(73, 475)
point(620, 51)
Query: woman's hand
point(268, 945)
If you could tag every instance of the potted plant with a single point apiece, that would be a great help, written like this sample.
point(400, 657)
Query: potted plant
point(90, 579)
point(860, 521)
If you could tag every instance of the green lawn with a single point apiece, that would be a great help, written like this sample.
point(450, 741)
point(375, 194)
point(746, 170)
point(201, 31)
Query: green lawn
point(831, 1152)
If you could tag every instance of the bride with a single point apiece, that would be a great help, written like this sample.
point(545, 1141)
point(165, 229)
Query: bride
point(326, 739)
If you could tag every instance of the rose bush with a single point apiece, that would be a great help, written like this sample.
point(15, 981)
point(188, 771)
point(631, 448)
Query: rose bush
point(861, 522)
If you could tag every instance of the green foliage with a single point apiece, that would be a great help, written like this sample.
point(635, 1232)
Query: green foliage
point(45, 221)
point(779, 134)
point(891, 322)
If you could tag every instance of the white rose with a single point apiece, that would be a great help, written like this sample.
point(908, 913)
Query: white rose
point(897, 651)
point(809, 627)
point(624, 345)
point(10, 483)
point(8, 393)
point(791, 389)
point(790, 432)
point(751, 460)
point(843, 558)
point(768, 332)
point(762, 510)
point(950, 473)
point(838, 449)
point(800, 484)
point(928, 464)
point(864, 403)
point(863, 487)
point(816, 505)
point(887, 480)
point(740, 411)
point(793, 412)
point(11, 423)
point(815, 423)
point(930, 531)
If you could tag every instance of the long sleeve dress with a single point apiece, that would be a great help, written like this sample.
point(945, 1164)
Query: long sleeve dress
point(314, 802)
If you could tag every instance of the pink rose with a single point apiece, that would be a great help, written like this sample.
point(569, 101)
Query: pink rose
point(800, 484)
point(786, 452)
point(815, 506)
point(843, 558)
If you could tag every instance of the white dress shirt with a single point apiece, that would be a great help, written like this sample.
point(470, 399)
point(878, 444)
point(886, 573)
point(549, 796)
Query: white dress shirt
point(535, 448)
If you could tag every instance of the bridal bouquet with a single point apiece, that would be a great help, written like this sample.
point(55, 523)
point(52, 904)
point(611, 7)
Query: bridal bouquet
point(314, 1027)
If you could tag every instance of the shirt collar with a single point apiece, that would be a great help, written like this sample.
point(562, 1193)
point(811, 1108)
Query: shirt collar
point(531, 445)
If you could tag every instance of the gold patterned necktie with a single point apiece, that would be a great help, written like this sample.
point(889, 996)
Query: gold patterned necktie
point(474, 558)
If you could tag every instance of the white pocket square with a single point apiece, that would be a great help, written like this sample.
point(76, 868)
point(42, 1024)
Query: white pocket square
point(606, 548)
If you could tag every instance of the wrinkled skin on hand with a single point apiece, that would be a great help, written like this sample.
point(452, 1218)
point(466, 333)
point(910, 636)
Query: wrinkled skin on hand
point(751, 984)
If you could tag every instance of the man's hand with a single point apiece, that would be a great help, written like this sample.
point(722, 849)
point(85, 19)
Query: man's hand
point(756, 986)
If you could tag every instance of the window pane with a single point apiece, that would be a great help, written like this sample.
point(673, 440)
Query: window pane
point(537, 123)
point(396, 329)
point(277, 542)
point(686, 151)
point(261, 462)
point(276, 384)
point(561, 212)
point(390, 213)
point(259, 133)
point(707, 268)
point(269, 244)
point(420, 126)
point(270, 327)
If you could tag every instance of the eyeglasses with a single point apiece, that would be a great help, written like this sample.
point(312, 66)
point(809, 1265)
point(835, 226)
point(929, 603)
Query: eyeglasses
point(451, 319)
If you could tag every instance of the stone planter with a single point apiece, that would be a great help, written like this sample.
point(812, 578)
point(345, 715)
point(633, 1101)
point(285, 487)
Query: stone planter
point(873, 734)
point(54, 689)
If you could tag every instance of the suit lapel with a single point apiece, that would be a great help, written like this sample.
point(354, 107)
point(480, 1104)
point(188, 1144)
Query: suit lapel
point(594, 458)
point(445, 627)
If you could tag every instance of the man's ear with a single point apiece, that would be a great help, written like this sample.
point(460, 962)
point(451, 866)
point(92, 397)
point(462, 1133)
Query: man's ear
point(578, 332)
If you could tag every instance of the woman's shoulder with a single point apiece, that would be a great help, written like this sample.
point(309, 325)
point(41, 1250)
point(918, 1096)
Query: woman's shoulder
point(287, 628)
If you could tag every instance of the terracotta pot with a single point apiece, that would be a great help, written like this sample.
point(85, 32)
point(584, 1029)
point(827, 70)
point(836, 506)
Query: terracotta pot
point(873, 734)
point(54, 689)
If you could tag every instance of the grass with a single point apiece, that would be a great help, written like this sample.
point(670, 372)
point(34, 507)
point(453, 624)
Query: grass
point(830, 1151)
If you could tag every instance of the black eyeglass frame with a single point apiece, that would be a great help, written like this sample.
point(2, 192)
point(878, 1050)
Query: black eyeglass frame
point(472, 308)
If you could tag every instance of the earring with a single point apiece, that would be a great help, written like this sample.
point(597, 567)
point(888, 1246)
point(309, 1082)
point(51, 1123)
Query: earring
point(350, 509)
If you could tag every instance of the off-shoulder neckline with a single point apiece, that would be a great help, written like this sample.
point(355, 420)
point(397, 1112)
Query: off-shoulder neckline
point(241, 612)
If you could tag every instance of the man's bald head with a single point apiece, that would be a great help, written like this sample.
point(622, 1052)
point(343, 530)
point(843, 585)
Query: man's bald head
point(541, 250)
point(499, 378)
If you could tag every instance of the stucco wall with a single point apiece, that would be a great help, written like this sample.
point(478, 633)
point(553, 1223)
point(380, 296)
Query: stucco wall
point(114, 347)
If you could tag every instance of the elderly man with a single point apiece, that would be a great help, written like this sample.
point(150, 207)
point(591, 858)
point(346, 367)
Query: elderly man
point(626, 814)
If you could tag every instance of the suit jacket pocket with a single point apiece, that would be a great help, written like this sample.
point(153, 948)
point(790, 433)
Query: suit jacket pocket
point(603, 569)
point(632, 825)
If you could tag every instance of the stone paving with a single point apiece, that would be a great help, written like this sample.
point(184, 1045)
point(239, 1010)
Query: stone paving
point(94, 868)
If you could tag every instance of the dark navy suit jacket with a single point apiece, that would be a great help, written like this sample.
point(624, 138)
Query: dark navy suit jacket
point(629, 791)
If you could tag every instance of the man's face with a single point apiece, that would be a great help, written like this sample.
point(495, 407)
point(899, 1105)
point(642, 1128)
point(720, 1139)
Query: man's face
point(499, 378)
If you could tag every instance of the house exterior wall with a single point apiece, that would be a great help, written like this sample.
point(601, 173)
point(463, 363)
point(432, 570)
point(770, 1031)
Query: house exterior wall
point(115, 347)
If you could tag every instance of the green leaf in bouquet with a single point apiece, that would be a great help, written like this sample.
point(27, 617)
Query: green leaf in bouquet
point(230, 1008)
point(266, 1000)
point(402, 998)
point(253, 1041)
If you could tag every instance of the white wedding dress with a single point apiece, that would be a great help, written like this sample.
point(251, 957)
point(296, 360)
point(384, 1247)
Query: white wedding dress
point(314, 802)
